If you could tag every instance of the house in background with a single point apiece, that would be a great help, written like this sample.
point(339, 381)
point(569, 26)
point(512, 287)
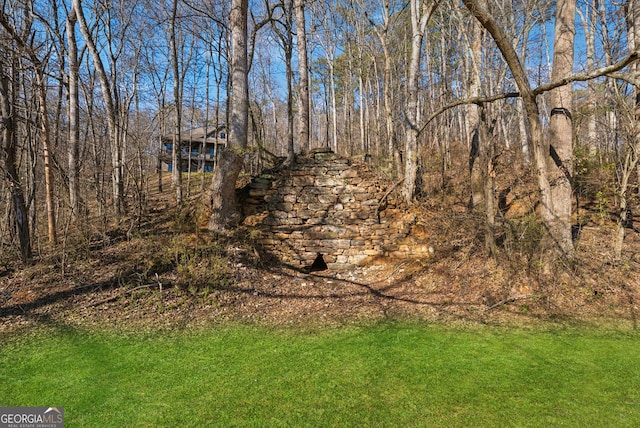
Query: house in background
point(200, 147)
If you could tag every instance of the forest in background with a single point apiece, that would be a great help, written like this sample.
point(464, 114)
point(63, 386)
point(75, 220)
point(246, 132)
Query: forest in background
point(469, 99)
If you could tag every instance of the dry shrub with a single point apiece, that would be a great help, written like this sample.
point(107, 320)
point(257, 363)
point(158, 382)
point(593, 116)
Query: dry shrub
point(199, 263)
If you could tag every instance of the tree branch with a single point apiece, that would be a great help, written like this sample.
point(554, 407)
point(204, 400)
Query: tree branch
point(204, 11)
point(581, 77)
point(254, 33)
point(4, 21)
point(610, 71)
point(632, 79)
point(472, 100)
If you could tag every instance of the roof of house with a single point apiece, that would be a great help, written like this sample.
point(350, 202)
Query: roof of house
point(197, 135)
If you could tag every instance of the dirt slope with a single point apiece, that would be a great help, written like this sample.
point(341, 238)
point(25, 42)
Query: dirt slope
point(166, 273)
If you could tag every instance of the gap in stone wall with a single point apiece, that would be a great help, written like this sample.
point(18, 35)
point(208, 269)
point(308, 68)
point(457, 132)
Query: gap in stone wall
point(318, 264)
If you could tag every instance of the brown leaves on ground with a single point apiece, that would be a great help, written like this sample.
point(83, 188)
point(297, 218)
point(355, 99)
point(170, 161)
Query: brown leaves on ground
point(167, 274)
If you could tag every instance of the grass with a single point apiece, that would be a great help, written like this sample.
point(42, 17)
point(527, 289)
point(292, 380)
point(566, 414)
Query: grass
point(389, 374)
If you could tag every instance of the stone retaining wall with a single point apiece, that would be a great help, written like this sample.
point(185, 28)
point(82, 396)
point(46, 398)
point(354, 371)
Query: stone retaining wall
point(327, 206)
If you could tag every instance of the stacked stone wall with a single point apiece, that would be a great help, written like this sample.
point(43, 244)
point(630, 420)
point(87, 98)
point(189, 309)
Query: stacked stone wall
point(326, 205)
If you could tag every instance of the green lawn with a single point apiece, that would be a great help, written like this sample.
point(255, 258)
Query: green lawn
point(390, 374)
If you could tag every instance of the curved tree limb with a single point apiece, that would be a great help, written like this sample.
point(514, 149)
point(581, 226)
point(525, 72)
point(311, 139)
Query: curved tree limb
point(472, 100)
point(581, 77)
point(610, 71)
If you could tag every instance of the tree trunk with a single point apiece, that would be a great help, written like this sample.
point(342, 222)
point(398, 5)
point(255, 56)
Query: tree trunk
point(203, 146)
point(632, 155)
point(41, 88)
point(488, 179)
point(420, 15)
point(46, 150)
point(540, 150)
point(560, 162)
point(334, 107)
point(176, 154)
point(9, 147)
point(287, 42)
point(388, 108)
point(74, 115)
point(111, 110)
point(303, 84)
point(223, 203)
point(476, 169)
point(163, 129)
point(363, 103)
point(589, 28)
point(523, 132)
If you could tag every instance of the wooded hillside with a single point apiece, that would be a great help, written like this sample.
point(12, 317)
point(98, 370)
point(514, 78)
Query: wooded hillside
point(519, 115)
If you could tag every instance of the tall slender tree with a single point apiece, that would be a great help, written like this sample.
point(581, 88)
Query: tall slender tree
point(420, 14)
point(112, 106)
point(304, 114)
point(382, 29)
point(41, 86)
point(10, 162)
point(560, 160)
point(177, 99)
point(74, 114)
point(224, 214)
point(476, 168)
point(283, 27)
point(540, 153)
point(630, 154)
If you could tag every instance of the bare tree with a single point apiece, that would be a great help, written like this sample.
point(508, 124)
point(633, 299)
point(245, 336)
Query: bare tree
point(112, 109)
point(74, 114)
point(382, 32)
point(630, 158)
point(476, 169)
point(540, 152)
point(224, 214)
point(420, 14)
point(283, 27)
point(588, 18)
point(39, 67)
point(328, 41)
point(10, 162)
point(304, 115)
point(158, 70)
point(560, 161)
point(176, 153)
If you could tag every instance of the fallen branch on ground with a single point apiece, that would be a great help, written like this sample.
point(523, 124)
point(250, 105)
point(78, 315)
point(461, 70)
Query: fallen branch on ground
point(125, 292)
point(510, 299)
